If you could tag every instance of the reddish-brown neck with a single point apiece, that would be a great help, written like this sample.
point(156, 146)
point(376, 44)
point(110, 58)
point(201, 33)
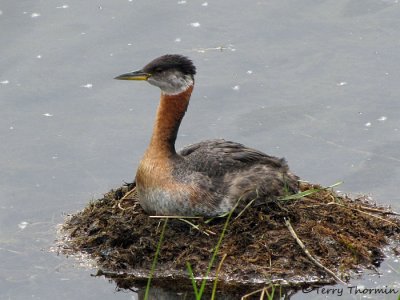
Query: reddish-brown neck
point(170, 112)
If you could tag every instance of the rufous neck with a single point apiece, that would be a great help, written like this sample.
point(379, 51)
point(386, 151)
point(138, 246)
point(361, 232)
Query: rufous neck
point(170, 112)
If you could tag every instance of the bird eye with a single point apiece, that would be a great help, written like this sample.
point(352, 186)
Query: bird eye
point(158, 70)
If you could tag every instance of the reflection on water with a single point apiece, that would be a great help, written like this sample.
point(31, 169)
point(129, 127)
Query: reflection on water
point(323, 92)
point(172, 289)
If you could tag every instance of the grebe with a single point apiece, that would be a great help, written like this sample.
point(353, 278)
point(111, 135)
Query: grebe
point(203, 179)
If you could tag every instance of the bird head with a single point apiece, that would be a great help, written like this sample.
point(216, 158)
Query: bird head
point(172, 73)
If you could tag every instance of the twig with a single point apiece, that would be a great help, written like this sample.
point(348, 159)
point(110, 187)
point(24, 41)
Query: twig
point(120, 207)
point(262, 294)
point(174, 217)
point(263, 291)
point(133, 207)
point(124, 197)
point(251, 294)
point(196, 227)
point(214, 290)
point(128, 194)
point(379, 210)
point(314, 260)
point(183, 219)
point(366, 213)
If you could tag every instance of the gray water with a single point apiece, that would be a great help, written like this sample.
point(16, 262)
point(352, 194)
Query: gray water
point(314, 81)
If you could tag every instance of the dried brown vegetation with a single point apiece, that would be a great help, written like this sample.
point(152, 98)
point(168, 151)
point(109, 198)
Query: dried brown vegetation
point(344, 234)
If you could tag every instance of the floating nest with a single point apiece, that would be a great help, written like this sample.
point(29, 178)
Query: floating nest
point(262, 243)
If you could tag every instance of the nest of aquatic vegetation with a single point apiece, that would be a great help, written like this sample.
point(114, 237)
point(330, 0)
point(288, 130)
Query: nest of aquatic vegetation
point(344, 235)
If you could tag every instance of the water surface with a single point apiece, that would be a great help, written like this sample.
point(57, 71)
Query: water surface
point(314, 81)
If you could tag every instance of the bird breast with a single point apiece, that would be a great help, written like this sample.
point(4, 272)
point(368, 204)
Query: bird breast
point(158, 192)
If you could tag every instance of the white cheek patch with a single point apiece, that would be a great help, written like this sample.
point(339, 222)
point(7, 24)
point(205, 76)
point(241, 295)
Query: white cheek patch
point(178, 85)
point(173, 84)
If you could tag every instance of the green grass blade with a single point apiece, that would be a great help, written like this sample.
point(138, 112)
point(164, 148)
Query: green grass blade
point(215, 252)
point(270, 296)
point(193, 280)
point(154, 263)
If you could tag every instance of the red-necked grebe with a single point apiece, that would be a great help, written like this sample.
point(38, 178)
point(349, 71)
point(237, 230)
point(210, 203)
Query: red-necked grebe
point(206, 178)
